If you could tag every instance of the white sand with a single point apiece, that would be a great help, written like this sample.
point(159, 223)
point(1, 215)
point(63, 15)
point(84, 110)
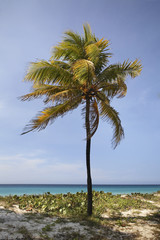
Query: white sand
point(17, 224)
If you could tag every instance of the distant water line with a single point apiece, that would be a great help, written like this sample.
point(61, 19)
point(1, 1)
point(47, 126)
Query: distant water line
point(20, 189)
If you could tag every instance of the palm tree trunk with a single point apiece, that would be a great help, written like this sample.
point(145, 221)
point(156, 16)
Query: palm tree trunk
point(88, 148)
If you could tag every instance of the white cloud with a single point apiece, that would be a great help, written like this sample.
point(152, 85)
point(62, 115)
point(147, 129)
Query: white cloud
point(31, 169)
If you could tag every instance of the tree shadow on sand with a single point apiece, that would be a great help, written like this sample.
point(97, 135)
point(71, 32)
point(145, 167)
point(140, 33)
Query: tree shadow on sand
point(122, 222)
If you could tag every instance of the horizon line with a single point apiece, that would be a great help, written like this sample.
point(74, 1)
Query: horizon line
point(84, 184)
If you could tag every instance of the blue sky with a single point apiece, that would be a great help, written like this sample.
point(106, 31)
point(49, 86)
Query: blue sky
point(28, 30)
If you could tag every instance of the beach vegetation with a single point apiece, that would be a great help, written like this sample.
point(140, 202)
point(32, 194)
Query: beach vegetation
point(45, 237)
point(78, 73)
point(47, 228)
point(72, 205)
point(68, 234)
point(25, 233)
point(108, 219)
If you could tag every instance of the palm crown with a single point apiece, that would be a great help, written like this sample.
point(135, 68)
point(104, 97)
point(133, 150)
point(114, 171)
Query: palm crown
point(78, 72)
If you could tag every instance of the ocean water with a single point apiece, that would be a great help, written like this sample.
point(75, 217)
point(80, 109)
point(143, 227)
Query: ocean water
point(20, 189)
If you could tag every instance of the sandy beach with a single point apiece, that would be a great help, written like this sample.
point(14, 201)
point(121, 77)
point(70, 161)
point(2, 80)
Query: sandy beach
point(18, 224)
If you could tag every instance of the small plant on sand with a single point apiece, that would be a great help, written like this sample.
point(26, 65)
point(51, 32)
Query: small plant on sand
point(47, 228)
point(26, 234)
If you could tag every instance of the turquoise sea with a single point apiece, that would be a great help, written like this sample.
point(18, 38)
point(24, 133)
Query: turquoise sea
point(20, 189)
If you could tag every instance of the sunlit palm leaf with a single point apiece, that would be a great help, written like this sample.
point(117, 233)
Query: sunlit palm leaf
point(72, 47)
point(65, 95)
point(54, 94)
point(118, 89)
point(73, 38)
point(42, 90)
point(88, 36)
point(95, 50)
point(67, 52)
point(48, 72)
point(83, 71)
point(119, 71)
point(50, 114)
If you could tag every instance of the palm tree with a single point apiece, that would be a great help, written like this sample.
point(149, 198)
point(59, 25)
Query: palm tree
point(78, 73)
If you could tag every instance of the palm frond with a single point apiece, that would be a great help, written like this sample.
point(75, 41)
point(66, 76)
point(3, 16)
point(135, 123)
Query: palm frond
point(112, 116)
point(88, 36)
point(49, 114)
point(61, 64)
point(120, 71)
point(102, 44)
point(47, 90)
point(103, 61)
point(98, 53)
point(101, 96)
point(54, 94)
point(74, 38)
point(67, 51)
point(48, 72)
point(118, 89)
point(93, 118)
point(70, 48)
point(92, 52)
point(83, 71)
point(64, 95)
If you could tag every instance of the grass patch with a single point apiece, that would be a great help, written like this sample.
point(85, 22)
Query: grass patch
point(2, 220)
point(45, 237)
point(26, 235)
point(72, 235)
point(47, 228)
point(60, 220)
point(64, 229)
